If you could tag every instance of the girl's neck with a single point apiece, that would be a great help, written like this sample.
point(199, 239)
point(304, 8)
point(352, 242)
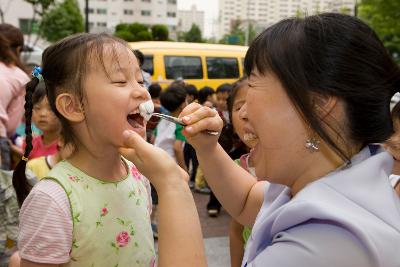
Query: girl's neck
point(50, 137)
point(103, 165)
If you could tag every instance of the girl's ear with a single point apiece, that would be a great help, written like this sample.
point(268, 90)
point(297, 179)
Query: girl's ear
point(70, 107)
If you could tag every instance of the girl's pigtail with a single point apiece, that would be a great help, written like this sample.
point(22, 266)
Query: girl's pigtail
point(20, 182)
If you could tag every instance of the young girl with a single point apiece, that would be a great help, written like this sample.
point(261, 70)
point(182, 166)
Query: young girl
point(45, 119)
point(92, 209)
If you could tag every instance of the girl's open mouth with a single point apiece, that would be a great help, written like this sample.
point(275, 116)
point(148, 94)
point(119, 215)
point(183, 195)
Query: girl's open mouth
point(135, 120)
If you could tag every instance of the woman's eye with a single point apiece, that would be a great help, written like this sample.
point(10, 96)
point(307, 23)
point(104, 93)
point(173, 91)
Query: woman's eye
point(141, 82)
point(120, 82)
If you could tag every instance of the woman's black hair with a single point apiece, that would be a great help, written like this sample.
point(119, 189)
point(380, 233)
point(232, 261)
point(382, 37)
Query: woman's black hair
point(65, 65)
point(331, 55)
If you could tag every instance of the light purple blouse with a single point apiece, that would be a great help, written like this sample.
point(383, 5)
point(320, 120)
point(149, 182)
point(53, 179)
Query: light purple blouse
point(349, 218)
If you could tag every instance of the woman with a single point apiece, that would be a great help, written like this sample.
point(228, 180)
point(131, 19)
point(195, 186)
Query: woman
point(319, 96)
point(12, 82)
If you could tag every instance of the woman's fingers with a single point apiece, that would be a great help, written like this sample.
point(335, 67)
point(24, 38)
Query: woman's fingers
point(208, 124)
point(135, 149)
point(189, 109)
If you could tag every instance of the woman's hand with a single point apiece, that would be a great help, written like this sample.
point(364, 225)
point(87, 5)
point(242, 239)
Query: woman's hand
point(152, 162)
point(198, 120)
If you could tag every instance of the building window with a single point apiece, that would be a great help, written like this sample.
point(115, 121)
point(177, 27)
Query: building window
point(146, 13)
point(171, 14)
point(183, 67)
point(220, 68)
point(128, 12)
point(146, 1)
point(173, 2)
point(91, 10)
point(148, 64)
point(101, 24)
point(128, 0)
point(102, 11)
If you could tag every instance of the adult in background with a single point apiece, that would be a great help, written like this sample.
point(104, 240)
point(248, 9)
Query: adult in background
point(12, 82)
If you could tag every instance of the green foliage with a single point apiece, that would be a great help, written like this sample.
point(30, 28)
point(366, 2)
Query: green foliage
point(136, 32)
point(159, 32)
point(193, 35)
point(125, 35)
point(237, 35)
point(383, 17)
point(65, 19)
point(40, 6)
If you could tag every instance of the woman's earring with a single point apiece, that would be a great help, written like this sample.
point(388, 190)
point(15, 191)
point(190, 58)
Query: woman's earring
point(312, 144)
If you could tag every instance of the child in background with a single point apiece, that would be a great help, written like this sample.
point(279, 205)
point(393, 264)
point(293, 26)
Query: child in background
point(45, 119)
point(74, 216)
point(154, 91)
point(168, 134)
point(207, 97)
point(192, 93)
point(239, 234)
point(393, 147)
point(189, 153)
point(223, 92)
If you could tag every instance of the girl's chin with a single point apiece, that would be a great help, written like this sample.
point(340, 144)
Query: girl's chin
point(139, 130)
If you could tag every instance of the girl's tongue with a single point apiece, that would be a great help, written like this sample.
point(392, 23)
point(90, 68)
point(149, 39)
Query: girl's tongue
point(136, 120)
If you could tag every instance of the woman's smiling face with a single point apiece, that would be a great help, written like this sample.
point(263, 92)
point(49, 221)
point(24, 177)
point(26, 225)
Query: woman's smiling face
point(280, 130)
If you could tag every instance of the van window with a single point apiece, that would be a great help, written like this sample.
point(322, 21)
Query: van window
point(148, 64)
point(220, 67)
point(183, 67)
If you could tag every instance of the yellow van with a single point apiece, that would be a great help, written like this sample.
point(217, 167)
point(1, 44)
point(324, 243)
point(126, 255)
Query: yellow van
point(196, 63)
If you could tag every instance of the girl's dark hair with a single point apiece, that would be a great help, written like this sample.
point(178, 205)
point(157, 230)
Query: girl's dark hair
point(39, 94)
point(331, 55)
point(65, 65)
point(204, 93)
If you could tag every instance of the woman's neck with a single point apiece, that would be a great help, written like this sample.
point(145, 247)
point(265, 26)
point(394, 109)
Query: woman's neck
point(103, 164)
point(50, 137)
point(319, 165)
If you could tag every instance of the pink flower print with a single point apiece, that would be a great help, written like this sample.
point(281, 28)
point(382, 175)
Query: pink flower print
point(104, 211)
point(135, 173)
point(123, 239)
point(73, 178)
point(152, 262)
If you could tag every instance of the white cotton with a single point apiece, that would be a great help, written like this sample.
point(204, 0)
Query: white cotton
point(146, 109)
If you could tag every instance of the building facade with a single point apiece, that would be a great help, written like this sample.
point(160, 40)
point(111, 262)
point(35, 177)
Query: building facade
point(263, 13)
point(188, 17)
point(104, 15)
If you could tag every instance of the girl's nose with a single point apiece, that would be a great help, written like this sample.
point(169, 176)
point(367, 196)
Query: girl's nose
point(243, 112)
point(139, 91)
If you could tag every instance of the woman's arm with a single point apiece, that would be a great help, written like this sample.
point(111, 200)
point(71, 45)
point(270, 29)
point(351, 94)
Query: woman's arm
point(237, 190)
point(180, 241)
point(25, 263)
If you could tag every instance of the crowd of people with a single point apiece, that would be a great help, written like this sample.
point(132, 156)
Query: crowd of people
point(306, 160)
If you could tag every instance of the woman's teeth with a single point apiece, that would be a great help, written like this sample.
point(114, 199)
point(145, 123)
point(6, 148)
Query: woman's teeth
point(249, 137)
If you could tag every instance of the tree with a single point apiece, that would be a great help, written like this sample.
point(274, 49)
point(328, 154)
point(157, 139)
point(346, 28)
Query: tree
point(193, 35)
point(383, 17)
point(237, 34)
point(159, 32)
point(65, 19)
point(133, 32)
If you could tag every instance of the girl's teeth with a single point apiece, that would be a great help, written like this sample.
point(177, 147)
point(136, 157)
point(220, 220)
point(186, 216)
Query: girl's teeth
point(249, 137)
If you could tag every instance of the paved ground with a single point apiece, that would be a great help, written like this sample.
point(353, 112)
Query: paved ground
point(215, 232)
